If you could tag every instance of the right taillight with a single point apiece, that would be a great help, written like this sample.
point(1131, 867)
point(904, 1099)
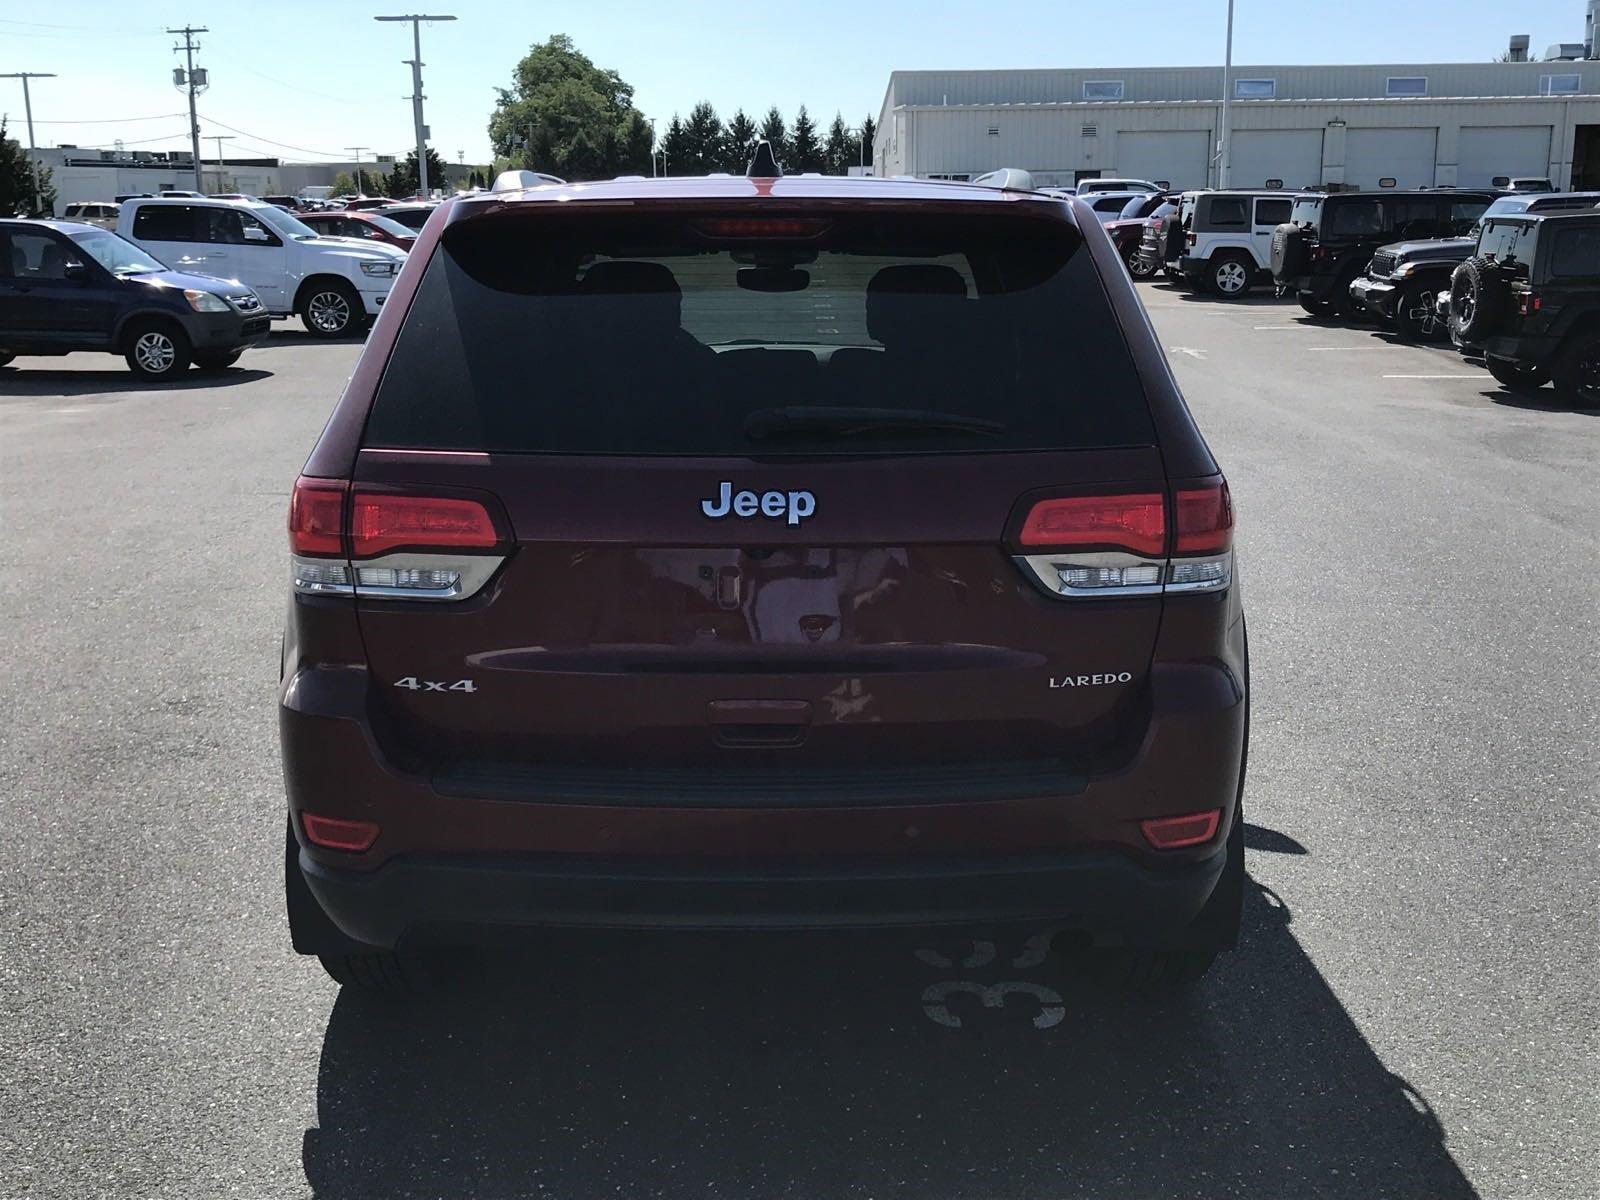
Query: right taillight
point(1127, 545)
point(391, 544)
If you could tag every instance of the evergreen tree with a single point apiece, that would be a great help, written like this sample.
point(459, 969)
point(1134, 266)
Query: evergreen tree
point(869, 131)
point(17, 180)
point(702, 135)
point(674, 146)
point(839, 154)
point(403, 180)
point(736, 143)
point(775, 131)
point(804, 146)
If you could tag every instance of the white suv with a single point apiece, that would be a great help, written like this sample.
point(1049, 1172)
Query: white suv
point(1228, 240)
point(333, 284)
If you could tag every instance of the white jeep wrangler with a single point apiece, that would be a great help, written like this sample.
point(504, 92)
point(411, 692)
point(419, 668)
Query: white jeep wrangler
point(1228, 242)
point(334, 284)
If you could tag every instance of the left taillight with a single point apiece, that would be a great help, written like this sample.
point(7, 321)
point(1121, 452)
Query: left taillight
point(1133, 544)
point(391, 544)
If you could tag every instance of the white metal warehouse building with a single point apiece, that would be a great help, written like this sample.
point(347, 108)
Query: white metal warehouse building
point(1405, 125)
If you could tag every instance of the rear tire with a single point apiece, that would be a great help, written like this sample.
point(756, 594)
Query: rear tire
point(1137, 267)
point(379, 971)
point(1522, 378)
point(1230, 276)
point(1317, 308)
point(331, 308)
point(216, 360)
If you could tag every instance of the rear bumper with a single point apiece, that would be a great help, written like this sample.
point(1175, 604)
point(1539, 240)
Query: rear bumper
point(1539, 349)
point(1103, 893)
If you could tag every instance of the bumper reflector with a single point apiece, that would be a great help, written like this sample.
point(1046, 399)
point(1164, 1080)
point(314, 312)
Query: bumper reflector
point(333, 833)
point(1174, 833)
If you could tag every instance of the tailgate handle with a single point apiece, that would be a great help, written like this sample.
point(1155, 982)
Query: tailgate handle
point(759, 723)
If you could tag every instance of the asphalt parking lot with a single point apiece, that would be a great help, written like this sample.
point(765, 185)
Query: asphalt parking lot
point(1413, 1012)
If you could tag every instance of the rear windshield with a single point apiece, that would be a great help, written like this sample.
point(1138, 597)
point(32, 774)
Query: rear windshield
point(699, 336)
point(1307, 211)
point(1353, 218)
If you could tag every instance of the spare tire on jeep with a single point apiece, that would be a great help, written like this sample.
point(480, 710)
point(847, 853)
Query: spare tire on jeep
point(1288, 252)
point(1480, 293)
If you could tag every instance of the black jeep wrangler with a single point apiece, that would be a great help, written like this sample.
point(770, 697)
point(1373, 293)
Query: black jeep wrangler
point(1329, 239)
point(1528, 301)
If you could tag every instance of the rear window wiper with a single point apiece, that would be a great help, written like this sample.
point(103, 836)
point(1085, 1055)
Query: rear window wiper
point(800, 420)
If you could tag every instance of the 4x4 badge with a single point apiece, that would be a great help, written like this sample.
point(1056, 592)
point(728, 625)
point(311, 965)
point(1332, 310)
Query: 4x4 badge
point(794, 507)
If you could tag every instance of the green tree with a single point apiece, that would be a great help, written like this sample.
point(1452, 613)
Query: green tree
point(804, 145)
point(736, 142)
point(565, 115)
point(775, 131)
point(702, 137)
point(869, 132)
point(17, 181)
point(840, 152)
point(674, 146)
point(344, 183)
point(403, 179)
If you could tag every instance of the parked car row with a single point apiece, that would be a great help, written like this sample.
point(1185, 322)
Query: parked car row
point(1510, 275)
point(188, 280)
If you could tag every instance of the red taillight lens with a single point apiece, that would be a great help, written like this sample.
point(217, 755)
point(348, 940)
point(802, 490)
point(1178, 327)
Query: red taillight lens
point(333, 833)
point(1136, 523)
point(1189, 239)
point(1528, 303)
point(316, 516)
point(1204, 520)
point(380, 522)
point(763, 227)
point(1174, 833)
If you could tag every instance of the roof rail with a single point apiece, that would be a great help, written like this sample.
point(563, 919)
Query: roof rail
point(764, 163)
point(515, 181)
point(1007, 179)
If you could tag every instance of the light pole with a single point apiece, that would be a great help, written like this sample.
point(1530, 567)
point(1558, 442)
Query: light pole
point(219, 138)
point(1227, 102)
point(652, 121)
point(195, 81)
point(27, 104)
point(415, 63)
point(356, 150)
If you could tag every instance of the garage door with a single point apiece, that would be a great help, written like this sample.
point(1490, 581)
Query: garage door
point(1292, 155)
point(1404, 155)
point(1489, 150)
point(1178, 156)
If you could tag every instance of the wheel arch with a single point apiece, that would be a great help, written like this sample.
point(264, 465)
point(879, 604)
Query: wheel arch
point(322, 279)
point(142, 316)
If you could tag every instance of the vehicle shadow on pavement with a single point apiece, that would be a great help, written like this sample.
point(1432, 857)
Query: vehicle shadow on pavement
point(114, 383)
point(1544, 400)
point(829, 1065)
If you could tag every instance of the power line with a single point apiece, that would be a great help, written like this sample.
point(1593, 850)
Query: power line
point(284, 145)
point(110, 120)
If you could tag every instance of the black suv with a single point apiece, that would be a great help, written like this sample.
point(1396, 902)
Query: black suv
point(66, 286)
point(1329, 239)
point(1528, 300)
point(1406, 278)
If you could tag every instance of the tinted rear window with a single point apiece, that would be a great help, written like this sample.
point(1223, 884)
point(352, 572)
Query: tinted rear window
point(660, 336)
point(1307, 211)
point(1353, 218)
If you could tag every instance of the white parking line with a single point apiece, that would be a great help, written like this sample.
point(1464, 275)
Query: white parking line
point(1376, 346)
point(1277, 327)
point(1433, 377)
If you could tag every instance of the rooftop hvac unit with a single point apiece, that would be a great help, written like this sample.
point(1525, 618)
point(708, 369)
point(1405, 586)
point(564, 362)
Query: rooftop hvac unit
point(1588, 27)
point(1566, 52)
point(1518, 50)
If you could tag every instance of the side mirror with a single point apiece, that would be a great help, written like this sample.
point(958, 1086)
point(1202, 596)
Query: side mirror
point(254, 233)
point(75, 270)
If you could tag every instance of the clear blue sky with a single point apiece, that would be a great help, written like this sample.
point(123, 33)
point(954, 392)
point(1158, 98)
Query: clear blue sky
point(321, 76)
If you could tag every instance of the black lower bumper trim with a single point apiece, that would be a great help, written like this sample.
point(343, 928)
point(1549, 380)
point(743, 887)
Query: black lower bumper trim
point(1103, 893)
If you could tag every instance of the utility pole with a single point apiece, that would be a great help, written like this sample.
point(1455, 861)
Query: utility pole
point(1227, 101)
point(415, 62)
point(356, 150)
point(27, 104)
point(195, 81)
point(219, 138)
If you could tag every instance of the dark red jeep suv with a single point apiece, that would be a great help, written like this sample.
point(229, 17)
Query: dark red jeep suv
point(762, 553)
